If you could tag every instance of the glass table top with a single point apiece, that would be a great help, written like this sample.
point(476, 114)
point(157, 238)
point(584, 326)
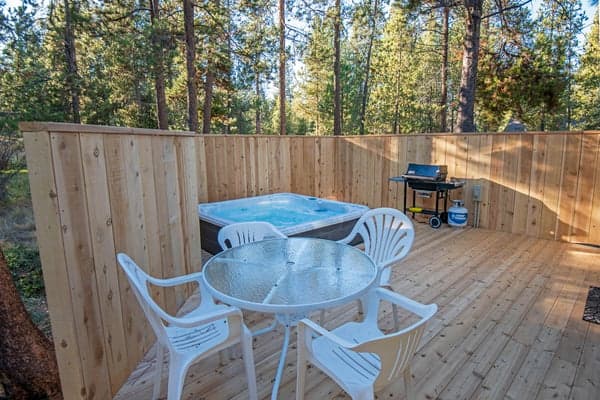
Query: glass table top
point(289, 275)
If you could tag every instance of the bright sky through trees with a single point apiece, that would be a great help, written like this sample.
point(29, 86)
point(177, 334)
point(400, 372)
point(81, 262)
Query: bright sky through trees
point(401, 66)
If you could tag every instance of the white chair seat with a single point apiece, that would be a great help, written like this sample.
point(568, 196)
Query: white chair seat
point(199, 338)
point(358, 356)
point(358, 371)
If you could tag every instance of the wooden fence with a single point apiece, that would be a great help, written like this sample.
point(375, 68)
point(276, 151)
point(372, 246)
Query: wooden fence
point(545, 185)
point(101, 190)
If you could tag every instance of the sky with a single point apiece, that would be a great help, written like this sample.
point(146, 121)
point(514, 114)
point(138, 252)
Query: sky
point(534, 5)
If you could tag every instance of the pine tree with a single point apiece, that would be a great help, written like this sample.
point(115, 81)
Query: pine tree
point(587, 88)
point(313, 99)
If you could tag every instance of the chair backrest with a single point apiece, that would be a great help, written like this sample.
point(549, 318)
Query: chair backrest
point(387, 233)
point(138, 280)
point(240, 233)
point(397, 349)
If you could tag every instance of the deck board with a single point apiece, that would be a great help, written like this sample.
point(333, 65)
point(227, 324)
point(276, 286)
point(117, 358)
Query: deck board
point(509, 326)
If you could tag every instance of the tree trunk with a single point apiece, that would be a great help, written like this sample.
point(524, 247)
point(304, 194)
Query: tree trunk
point(444, 89)
point(258, 125)
point(159, 74)
point(190, 63)
point(282, 116)
point(209, 79)
point(365, 90)
point(209, 84)
point(27, 357)
point(71, 59)
point(468, 79)
point(337, 89)
point(229, 55)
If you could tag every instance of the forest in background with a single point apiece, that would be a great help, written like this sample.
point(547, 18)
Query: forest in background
point(296, 67)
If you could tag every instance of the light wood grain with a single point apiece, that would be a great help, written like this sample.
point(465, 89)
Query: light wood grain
point(56, 279)
point(509, 311)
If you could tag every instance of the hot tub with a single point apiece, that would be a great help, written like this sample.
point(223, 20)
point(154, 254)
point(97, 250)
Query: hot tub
point(292, 214)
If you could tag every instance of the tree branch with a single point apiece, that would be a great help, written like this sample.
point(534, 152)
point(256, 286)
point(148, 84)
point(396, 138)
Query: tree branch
point(506, 9)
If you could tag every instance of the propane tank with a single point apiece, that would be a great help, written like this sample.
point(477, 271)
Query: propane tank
point(457, 214)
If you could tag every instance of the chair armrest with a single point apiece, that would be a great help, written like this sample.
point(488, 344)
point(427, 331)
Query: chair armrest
point(178, 280)
point(423, 310)
point(188, 322)
point(347, 239)
point(319, 330)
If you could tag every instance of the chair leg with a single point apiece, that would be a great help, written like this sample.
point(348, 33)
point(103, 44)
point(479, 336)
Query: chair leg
point(160, 355)
point(300, 372)
point(177, 372)
point(248, 355)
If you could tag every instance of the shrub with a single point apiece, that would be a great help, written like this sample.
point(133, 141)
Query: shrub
point(11, 157)
point(26, 268)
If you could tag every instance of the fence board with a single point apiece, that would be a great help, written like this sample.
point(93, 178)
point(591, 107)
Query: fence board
point(535, 202)
point(149, 204)
point(509, 181)
point(471, 173)
point(56, 280)
point(588, 171)
point(552, 180)
point(523, 178)
point(201, 165)
point(461, 154)
point(125, 191)
point(568, 192)
point(376, 169)
point(485, 160)
point(388, 170)
point(103, 250)
point(594, 233)
point(310, 165)
point(70, 188)
point(250, 164)
point(495, 185)
point(188, 176)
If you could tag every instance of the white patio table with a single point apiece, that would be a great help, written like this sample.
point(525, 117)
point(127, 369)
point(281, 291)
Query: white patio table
point(289, 278)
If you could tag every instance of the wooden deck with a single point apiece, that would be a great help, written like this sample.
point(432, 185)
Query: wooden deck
point(509, 326)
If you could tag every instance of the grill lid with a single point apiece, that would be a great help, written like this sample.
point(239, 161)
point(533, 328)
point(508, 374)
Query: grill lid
point(426, 172)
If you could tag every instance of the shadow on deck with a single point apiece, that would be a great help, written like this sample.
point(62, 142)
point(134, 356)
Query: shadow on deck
point(509, 325)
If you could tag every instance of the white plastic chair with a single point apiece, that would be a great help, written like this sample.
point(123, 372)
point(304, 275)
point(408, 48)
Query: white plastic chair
point(239, 233)
point(388, 235)
point(247, 232)
point(203, 332)
point(357, 355)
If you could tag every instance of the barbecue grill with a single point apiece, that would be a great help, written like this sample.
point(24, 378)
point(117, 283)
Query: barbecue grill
point(427, 180)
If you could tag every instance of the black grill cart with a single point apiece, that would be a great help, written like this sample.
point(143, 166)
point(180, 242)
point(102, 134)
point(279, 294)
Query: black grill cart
point(428, 179)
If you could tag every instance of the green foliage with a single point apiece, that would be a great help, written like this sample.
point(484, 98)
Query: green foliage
point(26, 268)
point(11, 158)
point(587, 88)
point(17, 188)
point(391, 62)
point(313, 101)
